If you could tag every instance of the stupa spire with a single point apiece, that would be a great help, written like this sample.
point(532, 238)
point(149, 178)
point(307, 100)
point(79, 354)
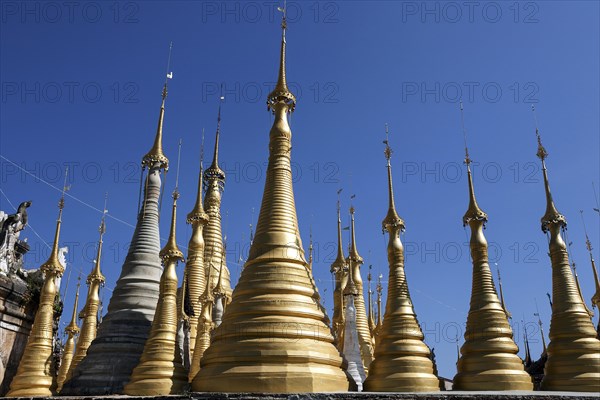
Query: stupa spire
point(508, 315)
point(275, 289)
point(574, 351)
point(121, 335)
point(370, 303)
point(156, 156)
point(205, 326)
point(195, 270)
point(71, 330)
point(339, 271)
point(89, 314)
point(489, 359)
point(160, 371)
point(281, 93)
point(588, 245)
point(402, 359)
point(362, 323)
point(214, 248)
point(35, 374)
point(541, 325)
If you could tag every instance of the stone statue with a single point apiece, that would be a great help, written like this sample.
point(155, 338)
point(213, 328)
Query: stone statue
point(11, 248)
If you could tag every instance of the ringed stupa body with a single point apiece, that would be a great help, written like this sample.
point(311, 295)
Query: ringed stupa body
point(36, 375)
point(274, 337)
point(402, 360)
point(489, 359)
point(121, 336)
point(89, 314)
point(574, 351)
point(160, 370)
point(69, 349)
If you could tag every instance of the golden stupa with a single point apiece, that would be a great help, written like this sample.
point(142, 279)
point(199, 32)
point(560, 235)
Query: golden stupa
point(339, 269)
point(71, 330)
point(35, 375)
point(402, 360)
point(362, 324)
point(205, 327)
point(196, 280)
point(160, 370)
point(195, 272)
point(274, 336)
point(489, 359)
point(89, 314)
point(574, 351)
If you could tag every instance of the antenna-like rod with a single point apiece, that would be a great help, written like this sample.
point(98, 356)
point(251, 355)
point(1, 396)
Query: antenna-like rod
point(462, 121)
point(537, 314)
point(169, 74)
point(178, 160)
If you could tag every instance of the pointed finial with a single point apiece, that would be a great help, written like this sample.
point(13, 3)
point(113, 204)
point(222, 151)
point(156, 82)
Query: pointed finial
point(473, 212)
point(552, 216)
point(392, 220)
point(508, 315)
point(353, 252)
point(340, 260)
point(171, 251)
point(281, 93)
point(214, 172)
point(198, 214)
point(588, 244)
point(96, 274)
point(53, 264)
point(155, 157)
point(72, 328)
point(462, 121)
point(537, 314)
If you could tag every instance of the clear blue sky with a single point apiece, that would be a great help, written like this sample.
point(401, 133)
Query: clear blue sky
point(81, 86)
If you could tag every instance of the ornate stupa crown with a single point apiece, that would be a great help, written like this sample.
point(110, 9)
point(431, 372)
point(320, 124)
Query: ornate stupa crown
point(214, 172)
point(281, 93)
point(392, 219)
point(551, 216)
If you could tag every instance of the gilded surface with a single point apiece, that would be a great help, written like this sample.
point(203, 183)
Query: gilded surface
point(574, 351)
point(89, 314)
point(160, 371)
point(194, 267)
point(402, 360)
point(274, 337)
point(72, 330)
point(35, 375)
point(489, 359)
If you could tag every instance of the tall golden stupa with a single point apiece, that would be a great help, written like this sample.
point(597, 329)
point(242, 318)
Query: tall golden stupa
point(71, 330)
point(35, 375)
point(274, 336)
point(574, 351)
point(195, 272)
point(89, 314)
point(402, 360)
point(160, 370)
point(489, 359)
point(362, 323)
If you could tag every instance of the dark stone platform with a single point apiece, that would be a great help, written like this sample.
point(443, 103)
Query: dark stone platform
point(448, 395)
